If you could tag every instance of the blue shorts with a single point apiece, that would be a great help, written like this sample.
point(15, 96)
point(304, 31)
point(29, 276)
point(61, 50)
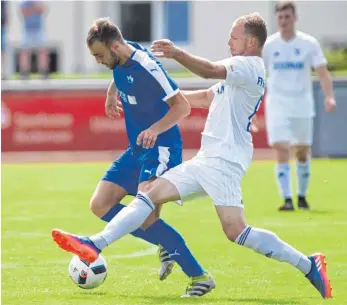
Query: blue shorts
point(134, 167)
point(33, 38)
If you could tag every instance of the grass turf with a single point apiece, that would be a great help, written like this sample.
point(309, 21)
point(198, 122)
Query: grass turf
point(39, 197)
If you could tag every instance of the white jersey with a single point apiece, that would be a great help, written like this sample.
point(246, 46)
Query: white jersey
point(236, 100)
point(288, 64)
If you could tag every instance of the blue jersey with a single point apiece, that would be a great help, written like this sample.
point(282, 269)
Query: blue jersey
point(144, 87)
point(33, 21)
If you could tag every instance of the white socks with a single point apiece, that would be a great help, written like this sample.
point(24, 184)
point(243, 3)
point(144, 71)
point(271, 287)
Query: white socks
point(269, 244)
point(303, 174)
point(126, 221)
point(284, 180)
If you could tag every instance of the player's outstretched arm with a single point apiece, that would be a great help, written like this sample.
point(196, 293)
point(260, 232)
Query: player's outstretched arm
point(179, 108)
point(327, 86)
point(199, 98)
point(198, 65)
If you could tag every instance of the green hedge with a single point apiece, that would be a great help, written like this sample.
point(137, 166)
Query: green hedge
point(337, 60)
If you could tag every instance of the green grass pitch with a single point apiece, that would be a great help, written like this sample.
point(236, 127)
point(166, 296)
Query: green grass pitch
point(39, 197)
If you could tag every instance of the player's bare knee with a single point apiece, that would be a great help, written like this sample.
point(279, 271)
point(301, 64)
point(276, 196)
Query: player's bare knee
point(94, 207)
point(98, 206)
point(302, 153)
point(233, 230)
point(282, 152)
point(145, 186)
point(161, 191)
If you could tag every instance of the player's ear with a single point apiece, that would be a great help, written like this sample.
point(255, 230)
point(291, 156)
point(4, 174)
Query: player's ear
point(252, 41)
point(114, 45)
point(295, 18)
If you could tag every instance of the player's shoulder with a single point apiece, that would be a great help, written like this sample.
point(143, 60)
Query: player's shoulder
point(306, 38)
point(272, 39)
point(247, 61)
point(144, 58)
point(238, 60)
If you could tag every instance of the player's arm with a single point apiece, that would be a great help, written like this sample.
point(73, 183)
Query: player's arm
point(319, 63)
point(198, 65)
point(112, 89)
point(179, 108)
point(111, 108)
point(199, 98)
point(327, 86)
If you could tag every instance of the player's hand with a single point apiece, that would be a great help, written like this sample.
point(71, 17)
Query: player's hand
point(255, 124)
point(164, 48)
point(119, 106)
point(147, 138)
point(330, 104)
point(111, 109)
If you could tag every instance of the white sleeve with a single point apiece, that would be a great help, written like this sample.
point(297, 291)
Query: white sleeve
point(318, 58)
point(236, 72)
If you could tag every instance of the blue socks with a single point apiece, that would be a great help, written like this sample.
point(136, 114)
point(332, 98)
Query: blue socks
point(160, 233)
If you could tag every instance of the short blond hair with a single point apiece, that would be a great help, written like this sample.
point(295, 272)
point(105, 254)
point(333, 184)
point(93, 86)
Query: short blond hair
point(255, 26)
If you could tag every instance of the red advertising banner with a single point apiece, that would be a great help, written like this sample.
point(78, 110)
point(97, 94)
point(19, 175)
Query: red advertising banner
point(75, 120)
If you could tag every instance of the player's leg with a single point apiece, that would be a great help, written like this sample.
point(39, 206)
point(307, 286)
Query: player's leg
point(25, 54)
point(176, 249)
point(230, 210)
point(42, 53)
point(270, 245)
point(156, 161)
point(183, 183)
point(119, 180)
point(279, 138)
point(177, 183)
point(135, 214)
point(303, 136)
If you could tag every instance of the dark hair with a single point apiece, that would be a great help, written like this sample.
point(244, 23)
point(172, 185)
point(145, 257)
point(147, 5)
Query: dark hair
point(105, 31)
point(255, 26)
point(285, 5)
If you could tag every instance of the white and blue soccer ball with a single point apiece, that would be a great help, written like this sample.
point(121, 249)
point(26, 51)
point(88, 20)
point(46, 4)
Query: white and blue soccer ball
point(88, 276)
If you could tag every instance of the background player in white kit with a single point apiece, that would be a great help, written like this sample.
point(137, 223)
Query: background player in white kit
point(289, 56)
point(225, 154)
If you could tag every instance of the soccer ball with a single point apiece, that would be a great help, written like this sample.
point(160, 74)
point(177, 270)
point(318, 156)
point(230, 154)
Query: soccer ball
point(88, 276)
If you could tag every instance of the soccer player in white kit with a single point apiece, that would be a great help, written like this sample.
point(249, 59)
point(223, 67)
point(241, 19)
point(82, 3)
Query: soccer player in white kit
point(225, 154)
point(289, 56)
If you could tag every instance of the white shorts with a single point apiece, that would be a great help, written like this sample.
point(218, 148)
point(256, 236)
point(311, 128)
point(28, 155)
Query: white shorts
point(295, 131)
point(214, 177)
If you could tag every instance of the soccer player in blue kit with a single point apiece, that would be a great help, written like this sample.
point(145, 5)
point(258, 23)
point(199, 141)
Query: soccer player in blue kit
point(152, 105)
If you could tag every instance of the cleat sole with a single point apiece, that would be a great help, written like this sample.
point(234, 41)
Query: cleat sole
point(324, 274)
point(73, 245)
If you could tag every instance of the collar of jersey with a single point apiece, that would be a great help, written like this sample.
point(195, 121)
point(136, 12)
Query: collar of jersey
point(129, 62)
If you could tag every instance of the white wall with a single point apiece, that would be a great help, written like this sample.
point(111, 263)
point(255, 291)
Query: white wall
point(323, 19)
point(67, 23)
